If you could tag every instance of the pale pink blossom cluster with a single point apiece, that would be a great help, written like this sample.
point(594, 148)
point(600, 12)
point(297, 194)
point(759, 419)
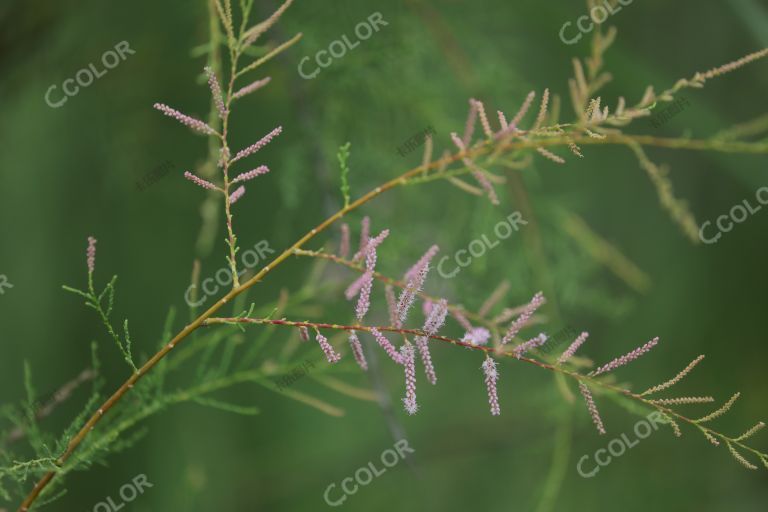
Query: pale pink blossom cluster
point(253, 148)
point(491, 376)
point(197, 180)
point(330, 354)
point(524, 317)
point(91, 254)
point(626, 358)
point(254, 86)
point(218, 99)
point(193, 123)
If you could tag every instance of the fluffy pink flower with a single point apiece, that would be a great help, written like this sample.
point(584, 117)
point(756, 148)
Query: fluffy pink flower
point(254, 86)
point(408, 357)
point(408, 296)
point(260, 144)
point(520, 322)
point(387, 346)
point(477, 336)
point(627, 358)
point(424, 260)
point(213, 83)
point(197, 180)
point(237, 194)
point(365, 233)
point(531, 344)
point(246, 176)
point(491, 376)
point(483, 117)
point(434, 322)
point(591, 407)
point(357, 350)
point(573, 347)
point(330, 354)
point(193, 123)
point(91, 254)
point(422, 343)
point(436, 317)
point(364, 300)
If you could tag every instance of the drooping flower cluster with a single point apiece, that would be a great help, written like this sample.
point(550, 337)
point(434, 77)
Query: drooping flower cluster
point(330, 354)
point(436, 311)
point(491, 376)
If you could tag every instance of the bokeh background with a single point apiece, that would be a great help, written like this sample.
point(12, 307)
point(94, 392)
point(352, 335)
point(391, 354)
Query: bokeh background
point(70, 172)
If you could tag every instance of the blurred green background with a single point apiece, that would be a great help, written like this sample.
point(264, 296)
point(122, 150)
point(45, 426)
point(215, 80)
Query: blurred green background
point(70, 172)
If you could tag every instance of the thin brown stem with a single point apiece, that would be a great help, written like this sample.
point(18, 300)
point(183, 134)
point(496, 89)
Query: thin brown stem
point(496, 352)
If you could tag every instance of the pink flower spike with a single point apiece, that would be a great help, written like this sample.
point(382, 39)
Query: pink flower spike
point(237, 194)
point(260, 144)
point(491, 376)
point(422, 343)
point(304, 333)
point(529, 345)
point(354, 288)
point(197, 180)
point(524, 317)
point(523, 109)
point(502, 120)
point(627, 358)
point(365, 233)
point(458, 142)
point(370, 250)
point(573, 348)
point(255, 86)
point(425, 259)
point(330, 354)
point(344, 246)
point(477, 336)
point(591, 407)
point(246, 176)
point(213, 83)
point(436, 317)
point(388, 347)
point(357, 350)
point(91, 254)
point(193, 123)
point(483, 117)
point(364, 300)
point(409, 362)
point(408, 296)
